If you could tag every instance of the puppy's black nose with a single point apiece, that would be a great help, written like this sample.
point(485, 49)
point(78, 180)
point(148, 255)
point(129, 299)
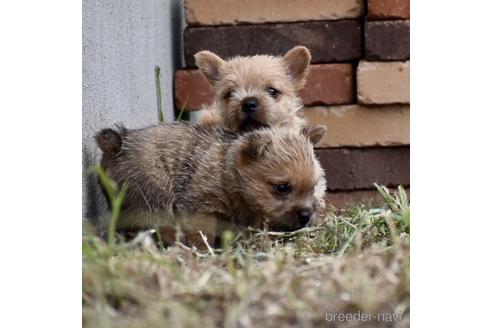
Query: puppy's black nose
point(304, 215)
point(249, 105)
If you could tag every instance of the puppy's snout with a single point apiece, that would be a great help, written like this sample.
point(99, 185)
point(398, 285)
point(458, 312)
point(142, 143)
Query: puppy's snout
point(249, 105)
point(304, 215)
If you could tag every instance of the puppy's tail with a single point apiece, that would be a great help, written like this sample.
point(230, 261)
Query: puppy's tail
point(111, 141)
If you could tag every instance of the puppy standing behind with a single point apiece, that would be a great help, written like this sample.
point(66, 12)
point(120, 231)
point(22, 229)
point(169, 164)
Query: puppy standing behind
point(188, 174)
point(256, 91)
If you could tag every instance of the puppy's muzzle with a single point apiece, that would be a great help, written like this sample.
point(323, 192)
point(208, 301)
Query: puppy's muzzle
point(249, 105)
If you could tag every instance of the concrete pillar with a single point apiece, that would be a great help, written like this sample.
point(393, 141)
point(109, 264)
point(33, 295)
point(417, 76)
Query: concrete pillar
point(123, 40)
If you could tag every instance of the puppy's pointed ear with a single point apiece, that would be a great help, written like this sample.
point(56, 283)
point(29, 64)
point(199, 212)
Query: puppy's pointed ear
point(297, 60)
point(253, 148)
point(314, 132)
point(210, 65)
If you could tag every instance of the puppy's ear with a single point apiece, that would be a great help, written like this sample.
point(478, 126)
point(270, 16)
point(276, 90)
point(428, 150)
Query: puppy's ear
point(297, 60)
point(109, 141)
point(314, 132)
point(210, 65)
point(253, 148)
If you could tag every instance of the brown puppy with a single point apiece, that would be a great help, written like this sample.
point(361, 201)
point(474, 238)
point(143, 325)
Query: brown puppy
point(192, 175)
point(253, 92)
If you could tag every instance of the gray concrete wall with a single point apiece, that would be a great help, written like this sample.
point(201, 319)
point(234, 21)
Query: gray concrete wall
point(123, 40)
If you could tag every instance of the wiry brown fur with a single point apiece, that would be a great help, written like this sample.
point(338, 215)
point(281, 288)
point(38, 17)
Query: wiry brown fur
point(183, 171)
point(240, 78)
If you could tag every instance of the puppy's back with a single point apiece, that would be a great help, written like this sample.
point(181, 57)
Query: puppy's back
point(157, 163)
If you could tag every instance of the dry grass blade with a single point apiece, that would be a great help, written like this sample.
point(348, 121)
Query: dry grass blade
point(204, 238)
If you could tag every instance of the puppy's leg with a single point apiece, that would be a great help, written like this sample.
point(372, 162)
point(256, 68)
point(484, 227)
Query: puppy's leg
point(192, 226)
point(168, 234)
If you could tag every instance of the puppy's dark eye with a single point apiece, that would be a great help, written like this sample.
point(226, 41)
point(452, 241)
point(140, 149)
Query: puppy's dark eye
point(283, 188)
point(228, 95)
point(273, 92)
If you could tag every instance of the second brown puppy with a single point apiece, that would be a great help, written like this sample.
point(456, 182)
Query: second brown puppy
point(188, 174)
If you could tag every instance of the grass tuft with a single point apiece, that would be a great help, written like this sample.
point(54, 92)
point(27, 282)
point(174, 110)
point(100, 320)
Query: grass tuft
point(115, 196)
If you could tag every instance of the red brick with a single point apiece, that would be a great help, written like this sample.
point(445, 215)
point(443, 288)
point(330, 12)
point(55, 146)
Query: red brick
point(191, 89)
point(387, 40)
point(327, 84)
point(329, 41)
point(360, 168)
point(388, 9)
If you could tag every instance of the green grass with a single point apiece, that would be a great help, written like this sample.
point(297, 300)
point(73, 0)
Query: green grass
point(355, 260)
point(160, 112)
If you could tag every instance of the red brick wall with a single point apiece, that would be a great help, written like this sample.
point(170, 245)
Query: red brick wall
point(358, 86)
